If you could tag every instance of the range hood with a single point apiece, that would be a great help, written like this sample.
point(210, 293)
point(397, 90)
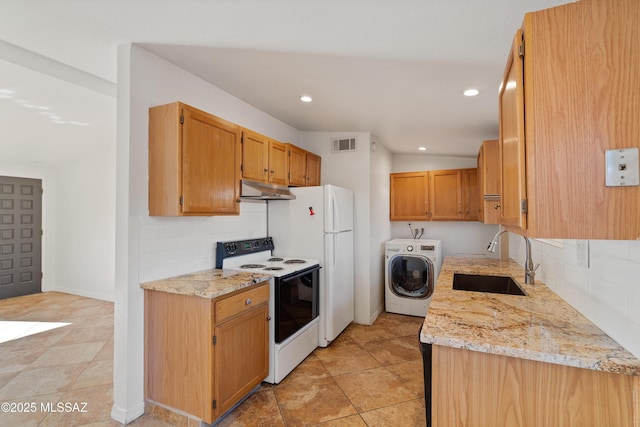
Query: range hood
point(253, 190)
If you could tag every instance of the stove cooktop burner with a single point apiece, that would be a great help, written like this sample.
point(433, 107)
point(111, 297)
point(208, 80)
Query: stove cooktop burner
point(274, 268)
point(252, 266)
point(275, 259)
point(295, 261)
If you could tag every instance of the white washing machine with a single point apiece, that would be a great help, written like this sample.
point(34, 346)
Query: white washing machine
point(412, 268)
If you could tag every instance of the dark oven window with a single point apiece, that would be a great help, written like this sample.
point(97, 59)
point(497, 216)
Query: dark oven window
point(296, 302)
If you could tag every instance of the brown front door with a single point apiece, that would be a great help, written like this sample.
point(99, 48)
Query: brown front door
point(20, 236)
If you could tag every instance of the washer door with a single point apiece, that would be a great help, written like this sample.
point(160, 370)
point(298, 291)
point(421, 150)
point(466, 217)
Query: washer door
point(411, 276)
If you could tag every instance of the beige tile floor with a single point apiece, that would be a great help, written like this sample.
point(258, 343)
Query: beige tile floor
point(370, 376)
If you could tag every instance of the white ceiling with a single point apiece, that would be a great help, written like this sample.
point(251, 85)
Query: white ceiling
point(393, 68)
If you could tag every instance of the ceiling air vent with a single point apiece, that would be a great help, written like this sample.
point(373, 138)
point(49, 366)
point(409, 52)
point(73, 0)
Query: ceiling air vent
point(341, 145)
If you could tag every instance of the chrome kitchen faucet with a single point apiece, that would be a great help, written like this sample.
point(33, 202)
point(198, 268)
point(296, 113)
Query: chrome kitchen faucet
point(529, 269)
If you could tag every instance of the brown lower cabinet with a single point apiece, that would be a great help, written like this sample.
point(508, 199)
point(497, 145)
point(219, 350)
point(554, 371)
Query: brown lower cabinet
point(469, 388)
point(202, 356)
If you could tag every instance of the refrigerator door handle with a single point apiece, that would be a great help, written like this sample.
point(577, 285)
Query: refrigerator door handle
point(335, 260)
point(336, 217)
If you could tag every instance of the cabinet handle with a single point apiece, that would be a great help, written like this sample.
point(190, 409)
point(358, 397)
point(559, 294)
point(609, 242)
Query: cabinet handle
point(268, 318)
point(496, 206)
point(248, 301)
point(266, 170)
point(272, 171)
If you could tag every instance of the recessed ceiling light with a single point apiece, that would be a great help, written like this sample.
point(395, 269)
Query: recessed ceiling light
point(422, 148)
point(471, 92)
point(306, 98)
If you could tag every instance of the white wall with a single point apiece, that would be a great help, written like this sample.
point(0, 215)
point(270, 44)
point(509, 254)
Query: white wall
point(459, 238)
point(85, 226)
point(607, 292)
point(350, 170)
point(380, 232)
point(153, 248)
point(78, 205)
point(425, 162)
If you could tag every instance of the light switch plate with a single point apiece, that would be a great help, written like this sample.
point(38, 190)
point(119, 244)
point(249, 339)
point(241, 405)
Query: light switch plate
point(622, 167)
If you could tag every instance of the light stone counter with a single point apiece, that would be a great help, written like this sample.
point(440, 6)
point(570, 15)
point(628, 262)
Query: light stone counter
point(540, 326)
point(210, 283)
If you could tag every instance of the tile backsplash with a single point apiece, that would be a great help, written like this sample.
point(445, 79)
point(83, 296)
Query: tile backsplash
point(170, 246)
point(600, 278)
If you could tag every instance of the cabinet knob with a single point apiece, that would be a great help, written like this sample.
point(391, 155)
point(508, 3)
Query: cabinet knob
point(496, 206)
point(272, 171)
point(266, 170)
point(268, 318)
point(248, 301)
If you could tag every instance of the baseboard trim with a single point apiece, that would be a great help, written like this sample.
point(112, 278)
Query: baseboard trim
point(124, 417)
point(375, 315)
point(82, 293)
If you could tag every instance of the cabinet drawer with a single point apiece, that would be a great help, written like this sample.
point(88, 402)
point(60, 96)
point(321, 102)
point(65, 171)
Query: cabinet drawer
point(240, 303)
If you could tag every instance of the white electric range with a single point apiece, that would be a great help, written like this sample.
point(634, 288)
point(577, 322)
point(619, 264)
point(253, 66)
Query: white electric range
point(293, 302)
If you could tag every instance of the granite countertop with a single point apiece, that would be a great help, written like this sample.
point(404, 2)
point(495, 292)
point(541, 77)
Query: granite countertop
point(210, 283)
point(540, 326)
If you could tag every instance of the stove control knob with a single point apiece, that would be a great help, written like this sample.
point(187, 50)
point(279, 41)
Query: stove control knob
point(409, 248)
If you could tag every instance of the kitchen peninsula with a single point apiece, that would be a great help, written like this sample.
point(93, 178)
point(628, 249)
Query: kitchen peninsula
point(520, 360)
point(206, 341)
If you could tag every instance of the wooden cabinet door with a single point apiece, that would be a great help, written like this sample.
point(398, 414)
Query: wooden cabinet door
point(481, 172)
point(445, 195)
point(470, 194)
point(489, 182)
point(278, 160)
point(496, 390)
point(512, 143)
point(210, 164)
point(255, 156)
point(409, 196)
point(297, 166)
point(314, 163)
point(241, 356)
point(194, 162)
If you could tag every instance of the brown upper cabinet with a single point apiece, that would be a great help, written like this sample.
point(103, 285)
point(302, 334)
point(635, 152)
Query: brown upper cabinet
point(194, 162)
point(453, 195)
point(255, 156)
point(445, 195)
point(314, 163)
point(304, 167)
point(470, 195)
point(263, 159)
point(571, 91)
point(409, 196)
point(489, 182)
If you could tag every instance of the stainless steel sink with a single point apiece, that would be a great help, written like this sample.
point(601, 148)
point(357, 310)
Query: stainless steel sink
point(491, 284)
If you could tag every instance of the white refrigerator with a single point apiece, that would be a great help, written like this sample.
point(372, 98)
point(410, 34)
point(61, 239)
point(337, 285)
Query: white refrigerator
point(319, 224)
